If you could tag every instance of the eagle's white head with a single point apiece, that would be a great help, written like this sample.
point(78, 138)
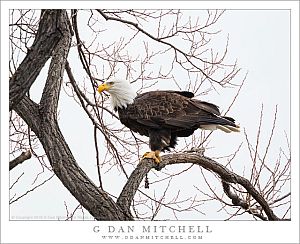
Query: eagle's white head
point(120, 91)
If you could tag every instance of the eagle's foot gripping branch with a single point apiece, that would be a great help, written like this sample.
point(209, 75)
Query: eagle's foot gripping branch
point(153, 155)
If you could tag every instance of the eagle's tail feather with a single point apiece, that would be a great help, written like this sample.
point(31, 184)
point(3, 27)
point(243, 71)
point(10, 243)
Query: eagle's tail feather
point(226, 124)
point(228, 128)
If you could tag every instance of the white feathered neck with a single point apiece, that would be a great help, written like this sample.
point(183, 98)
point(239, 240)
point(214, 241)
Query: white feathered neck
point(121, 93)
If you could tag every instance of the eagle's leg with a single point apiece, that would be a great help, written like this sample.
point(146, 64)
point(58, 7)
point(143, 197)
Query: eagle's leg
point(153, 155)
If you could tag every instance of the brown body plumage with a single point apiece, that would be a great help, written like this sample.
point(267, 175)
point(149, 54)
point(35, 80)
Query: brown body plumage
point(164, 115)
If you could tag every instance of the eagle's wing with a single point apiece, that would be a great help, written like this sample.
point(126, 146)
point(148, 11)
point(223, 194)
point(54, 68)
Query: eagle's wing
point(183, 93)
point(168, 109)
point(206, 106)
point(162, 92)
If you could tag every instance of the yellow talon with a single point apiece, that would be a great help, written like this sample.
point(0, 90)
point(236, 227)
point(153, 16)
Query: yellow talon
point(153, 155)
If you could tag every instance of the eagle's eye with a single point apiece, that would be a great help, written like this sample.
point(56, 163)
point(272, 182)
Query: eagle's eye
point(110, 83)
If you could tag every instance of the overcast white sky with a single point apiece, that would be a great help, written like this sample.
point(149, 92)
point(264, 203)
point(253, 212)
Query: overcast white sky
point(258, 39)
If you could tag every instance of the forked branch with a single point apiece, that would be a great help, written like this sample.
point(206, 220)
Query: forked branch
point(129, 190)
point(47, 37)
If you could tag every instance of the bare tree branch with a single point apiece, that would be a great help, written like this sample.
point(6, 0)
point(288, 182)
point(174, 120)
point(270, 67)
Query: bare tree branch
point(31, 190)
point(50, 96)
point(226, 175)
point(188, 57)
point(237, 201)
point(20, 159)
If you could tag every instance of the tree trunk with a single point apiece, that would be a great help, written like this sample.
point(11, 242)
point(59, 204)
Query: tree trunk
point(42, 119)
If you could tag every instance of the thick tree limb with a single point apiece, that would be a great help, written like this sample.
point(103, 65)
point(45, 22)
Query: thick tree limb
point(126, 197)
point(20, 159)
point(50, 96)
point(64, 165)
point(47, 37)
point(34, 121)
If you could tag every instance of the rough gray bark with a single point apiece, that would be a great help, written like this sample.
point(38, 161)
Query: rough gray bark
point(46, 39)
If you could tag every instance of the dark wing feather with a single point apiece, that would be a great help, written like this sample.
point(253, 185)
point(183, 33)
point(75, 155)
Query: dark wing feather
point(182, 93)
point(209, 107)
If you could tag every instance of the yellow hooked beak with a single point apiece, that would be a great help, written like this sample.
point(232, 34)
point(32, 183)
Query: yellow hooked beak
point(103, 87)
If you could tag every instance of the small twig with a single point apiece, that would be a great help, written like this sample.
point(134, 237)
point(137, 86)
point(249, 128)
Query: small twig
point(32, 189)
point(16, 181)
point(281, 198)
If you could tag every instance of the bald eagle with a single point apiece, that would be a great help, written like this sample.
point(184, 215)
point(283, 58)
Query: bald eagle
point(164, 115)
